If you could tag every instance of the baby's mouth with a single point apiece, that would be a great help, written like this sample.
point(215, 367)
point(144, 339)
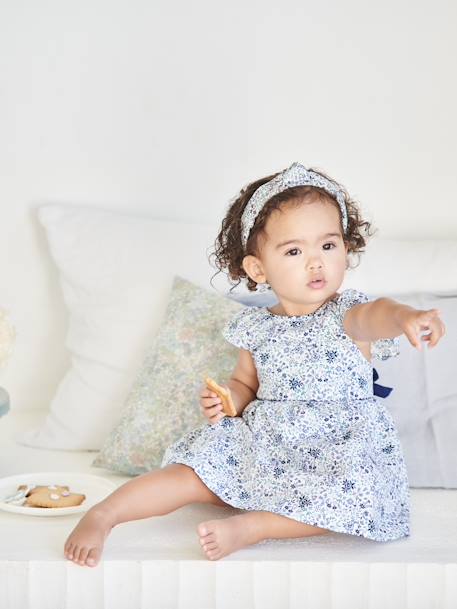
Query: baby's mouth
point(317, 284)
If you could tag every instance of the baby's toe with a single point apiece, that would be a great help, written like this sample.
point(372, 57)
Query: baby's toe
point(202, 529)
point(93, 557)
point(68, 551)
point(211, 538)
point(75, 553)
point(83, 555)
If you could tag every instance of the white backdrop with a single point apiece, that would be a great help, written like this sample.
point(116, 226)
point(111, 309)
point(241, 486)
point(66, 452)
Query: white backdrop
point(170, 108)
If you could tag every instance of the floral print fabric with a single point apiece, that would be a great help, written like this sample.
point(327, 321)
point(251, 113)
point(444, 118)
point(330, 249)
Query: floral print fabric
point(316, 444)
point(163, 402)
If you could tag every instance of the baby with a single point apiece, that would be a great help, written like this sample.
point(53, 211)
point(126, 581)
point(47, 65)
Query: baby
point(312, 450)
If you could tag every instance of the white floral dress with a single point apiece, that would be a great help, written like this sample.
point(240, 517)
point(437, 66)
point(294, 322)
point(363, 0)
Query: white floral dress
point(316, 445)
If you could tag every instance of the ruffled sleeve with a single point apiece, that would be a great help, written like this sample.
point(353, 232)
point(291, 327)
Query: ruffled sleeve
point(347, 299)
point(383, 348)
point(240, 329)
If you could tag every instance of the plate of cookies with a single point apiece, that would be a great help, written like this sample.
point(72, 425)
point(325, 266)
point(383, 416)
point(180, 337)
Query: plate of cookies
point(52, 493)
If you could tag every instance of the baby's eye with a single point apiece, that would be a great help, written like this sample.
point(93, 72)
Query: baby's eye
point(296, 249)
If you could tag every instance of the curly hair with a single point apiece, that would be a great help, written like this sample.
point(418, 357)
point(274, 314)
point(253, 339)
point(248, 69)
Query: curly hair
point(228, 248)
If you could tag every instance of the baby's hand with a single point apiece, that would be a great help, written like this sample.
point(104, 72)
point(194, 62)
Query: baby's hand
point(211, 405)
point(413, 321)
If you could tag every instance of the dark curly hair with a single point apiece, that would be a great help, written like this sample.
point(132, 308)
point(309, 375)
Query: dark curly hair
point(229, 251)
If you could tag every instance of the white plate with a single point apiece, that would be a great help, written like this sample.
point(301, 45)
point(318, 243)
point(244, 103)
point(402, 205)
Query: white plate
point(94, 487)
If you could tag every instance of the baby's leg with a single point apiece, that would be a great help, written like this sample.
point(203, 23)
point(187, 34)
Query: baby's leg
point(226, 535)
point(152, 494)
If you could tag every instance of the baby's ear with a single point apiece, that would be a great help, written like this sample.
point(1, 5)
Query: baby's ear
point(253, 268)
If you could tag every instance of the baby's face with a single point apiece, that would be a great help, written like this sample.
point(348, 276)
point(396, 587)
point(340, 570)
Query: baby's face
point(289, 268)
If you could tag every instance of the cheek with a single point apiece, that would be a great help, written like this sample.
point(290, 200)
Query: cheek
point(342, 266)
point(280, 271)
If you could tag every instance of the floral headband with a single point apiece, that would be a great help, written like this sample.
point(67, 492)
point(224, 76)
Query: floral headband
point(295, 175)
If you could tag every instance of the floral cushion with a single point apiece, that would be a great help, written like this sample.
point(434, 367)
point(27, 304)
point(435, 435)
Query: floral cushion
point(163, 403)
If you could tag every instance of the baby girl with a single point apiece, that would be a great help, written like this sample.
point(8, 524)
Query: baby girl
point(312, 450)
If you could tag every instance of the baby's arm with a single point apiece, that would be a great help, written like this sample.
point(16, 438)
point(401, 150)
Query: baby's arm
point(243, 382)
point(218, 401)
point(387, 318)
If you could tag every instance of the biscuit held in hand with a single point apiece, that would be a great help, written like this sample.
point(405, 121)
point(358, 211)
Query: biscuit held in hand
point(226, 398)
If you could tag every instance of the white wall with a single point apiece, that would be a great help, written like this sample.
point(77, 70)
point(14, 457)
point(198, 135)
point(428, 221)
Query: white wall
point(171, 107)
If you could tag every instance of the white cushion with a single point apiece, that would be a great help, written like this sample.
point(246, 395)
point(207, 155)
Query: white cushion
point(116, 272)
point(397, 266)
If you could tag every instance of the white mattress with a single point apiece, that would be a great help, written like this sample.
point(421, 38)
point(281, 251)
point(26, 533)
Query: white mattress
point(158, 562)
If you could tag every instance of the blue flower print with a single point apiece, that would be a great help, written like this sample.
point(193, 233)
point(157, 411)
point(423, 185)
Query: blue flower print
point(362, 382)
point(231, 460)
point(295, 383)
point(348, 485)
point(331, 356)
point(314, 452)
point(304, 502)
point(388, 449)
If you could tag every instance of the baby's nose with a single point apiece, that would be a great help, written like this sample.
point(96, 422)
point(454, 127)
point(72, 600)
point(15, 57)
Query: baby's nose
point(315, 265)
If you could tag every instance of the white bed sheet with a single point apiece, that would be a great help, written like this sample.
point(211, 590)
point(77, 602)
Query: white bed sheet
point(158, 562)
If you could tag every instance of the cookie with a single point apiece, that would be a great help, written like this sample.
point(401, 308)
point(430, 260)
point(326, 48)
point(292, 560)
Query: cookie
point(227, 403)
point(49, 498)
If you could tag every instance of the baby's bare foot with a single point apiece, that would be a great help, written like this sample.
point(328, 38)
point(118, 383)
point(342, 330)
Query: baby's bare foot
point(84, 545)
point(221, 537)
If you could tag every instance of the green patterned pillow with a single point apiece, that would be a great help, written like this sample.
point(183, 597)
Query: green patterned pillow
point(163, 403)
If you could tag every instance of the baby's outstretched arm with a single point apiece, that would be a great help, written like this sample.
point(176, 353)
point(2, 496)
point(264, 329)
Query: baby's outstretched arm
point(386, 318)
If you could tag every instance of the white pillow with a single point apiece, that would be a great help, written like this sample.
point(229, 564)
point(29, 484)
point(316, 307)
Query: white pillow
point(116, 272)
point(397, 266)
